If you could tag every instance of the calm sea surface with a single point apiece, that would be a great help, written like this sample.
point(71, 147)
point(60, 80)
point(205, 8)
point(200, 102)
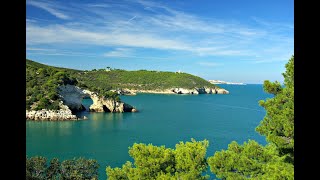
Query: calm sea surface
point(161, 120)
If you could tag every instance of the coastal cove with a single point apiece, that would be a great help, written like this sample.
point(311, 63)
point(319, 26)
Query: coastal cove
point(163, 119)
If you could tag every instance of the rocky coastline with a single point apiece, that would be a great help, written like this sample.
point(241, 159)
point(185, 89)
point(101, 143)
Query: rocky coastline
point(202, 90)
point(64, 113)
point(72, 102)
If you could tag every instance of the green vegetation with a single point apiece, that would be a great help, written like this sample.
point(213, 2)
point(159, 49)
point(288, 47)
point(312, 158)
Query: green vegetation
point(187, 161)
point(42, 82)
point(276, 159)
point(38, 169)
point(141, 80)
point(278, 124)
point(41, 85)
point(248, 161)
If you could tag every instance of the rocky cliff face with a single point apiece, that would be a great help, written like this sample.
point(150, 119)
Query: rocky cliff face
point(101, 104)
point(64, 113)
point(72, 96)
point(221, 91)
point(72, 101)
point(203, 90)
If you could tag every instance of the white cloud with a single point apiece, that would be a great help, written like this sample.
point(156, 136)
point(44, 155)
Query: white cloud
point(157, 27)
point(51, 8)
point(210, 64)
point(38, 49)
point(119, 52)
point(99, 5)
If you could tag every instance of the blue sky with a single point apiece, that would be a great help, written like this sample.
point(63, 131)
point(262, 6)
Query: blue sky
point(240, 41)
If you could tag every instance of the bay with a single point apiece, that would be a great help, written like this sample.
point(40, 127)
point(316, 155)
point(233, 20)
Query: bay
point(161, 120)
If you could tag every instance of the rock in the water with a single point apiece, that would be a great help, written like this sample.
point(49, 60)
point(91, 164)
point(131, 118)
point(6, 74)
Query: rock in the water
point(102, 104)
point(222, 91)
point(208, 90)
point(72, 96)
point(64, 113)
point(202, 90)
point(72, 101)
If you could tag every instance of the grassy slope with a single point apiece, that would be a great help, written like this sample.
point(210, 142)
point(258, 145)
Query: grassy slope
point(33, 64)
point(142, 79)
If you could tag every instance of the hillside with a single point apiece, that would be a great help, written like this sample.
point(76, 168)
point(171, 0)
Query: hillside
point(141, 79)
point(42, 82)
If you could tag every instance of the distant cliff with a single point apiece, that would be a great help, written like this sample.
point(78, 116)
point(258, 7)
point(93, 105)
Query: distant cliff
point(202, 90)
point(224, 82)
point(141, 80)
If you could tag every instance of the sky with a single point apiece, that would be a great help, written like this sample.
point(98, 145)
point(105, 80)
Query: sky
point(245, 41)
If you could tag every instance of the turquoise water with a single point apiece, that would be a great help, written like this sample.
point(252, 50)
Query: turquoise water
point(161, 120)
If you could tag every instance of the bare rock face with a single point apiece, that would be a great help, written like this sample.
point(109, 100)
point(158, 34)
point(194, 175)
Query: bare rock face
point(222, 91)
point(203, 90)
point(208, 90)
point(185, 91)
point(72, 101)
point(124, 92)
point(101, 104)
point(72, 96)
point(64, 113)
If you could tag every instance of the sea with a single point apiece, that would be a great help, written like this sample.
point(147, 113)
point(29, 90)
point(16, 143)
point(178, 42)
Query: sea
point(161, 120)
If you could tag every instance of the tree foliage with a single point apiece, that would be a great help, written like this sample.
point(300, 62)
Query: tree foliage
point(141, 80)
point(74, 169)
point(41, 85)
point(186, 161)
point(36, 168)
point(42, 82)
point(79, 169)
point(250, 161)
point(278, 124)
point(276, 159)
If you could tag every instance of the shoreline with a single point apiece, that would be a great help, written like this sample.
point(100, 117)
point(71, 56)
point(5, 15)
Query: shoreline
point(193, 91)
point(65, 114)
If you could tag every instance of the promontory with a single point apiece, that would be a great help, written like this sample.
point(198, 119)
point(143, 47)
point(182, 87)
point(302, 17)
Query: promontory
point(56, 93)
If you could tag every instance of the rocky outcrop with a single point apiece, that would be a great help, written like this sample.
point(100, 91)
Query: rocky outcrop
point(185, 91)
point(202, 90)
point(208, 90)
point(64, 113)
point(72, 97)
point(157, 91)
point(221, 91)
point(101, 104)
point(72, 101)
point(124, 92)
